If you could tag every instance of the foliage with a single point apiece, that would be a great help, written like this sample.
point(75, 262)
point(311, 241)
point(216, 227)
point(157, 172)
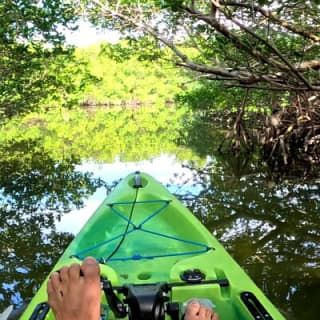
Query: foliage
point(123, 78)
point(144, 49)
point(105, 134)
point(28, 171)
point(28, 252)
point(36, 78)
point(36, 189)
point(207, 97)
point(267, 49)
point(36, 69)
point(267, 45)
point(29, 20)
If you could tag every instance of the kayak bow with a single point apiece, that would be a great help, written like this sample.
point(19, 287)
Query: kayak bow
point(154, 255)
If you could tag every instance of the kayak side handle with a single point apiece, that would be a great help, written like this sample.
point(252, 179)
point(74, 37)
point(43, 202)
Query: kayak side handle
point(40, 311)
point(254, 306)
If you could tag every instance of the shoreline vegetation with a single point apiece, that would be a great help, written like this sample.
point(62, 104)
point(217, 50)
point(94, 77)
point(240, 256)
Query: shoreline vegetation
point(102, 134)
point(134, 103)
point(284, 129)
point(262, 88)
point(255, 61)
point(242, 77)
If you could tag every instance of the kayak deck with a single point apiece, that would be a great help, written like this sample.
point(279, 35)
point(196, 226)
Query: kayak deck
point(142, 235)
point(150, 245)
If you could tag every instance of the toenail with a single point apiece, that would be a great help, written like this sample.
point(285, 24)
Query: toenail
point(91, 260)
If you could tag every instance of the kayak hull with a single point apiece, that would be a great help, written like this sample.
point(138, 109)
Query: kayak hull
point(142, 235)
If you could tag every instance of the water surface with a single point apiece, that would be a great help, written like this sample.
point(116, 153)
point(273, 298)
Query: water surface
point(55, 170)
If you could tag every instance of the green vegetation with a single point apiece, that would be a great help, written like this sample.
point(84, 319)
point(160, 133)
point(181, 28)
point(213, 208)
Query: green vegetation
point(41, 181)
point(36, 69)
point(127, 81)
point(252, 67)
point(36, 189)
point(266, 45)
point(266, 54)
point(127, 134)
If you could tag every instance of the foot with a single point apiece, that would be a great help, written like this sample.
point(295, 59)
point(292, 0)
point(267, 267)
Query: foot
point(195, 311)
point(73, 296)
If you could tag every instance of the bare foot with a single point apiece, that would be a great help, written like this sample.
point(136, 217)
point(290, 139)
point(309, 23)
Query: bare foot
point(195, 311)
point(75, 297)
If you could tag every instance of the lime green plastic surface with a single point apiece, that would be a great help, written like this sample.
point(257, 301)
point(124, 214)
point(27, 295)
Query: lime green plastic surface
point(163, 240)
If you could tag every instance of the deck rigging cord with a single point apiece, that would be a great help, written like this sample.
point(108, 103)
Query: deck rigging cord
point(202, 248)
point(105, 260)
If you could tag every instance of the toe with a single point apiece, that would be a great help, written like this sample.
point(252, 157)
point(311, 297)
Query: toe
point(50, 289)
point(54, 296)
point(65, 280)
point(74, 272)
point(208, 314)
point(64, 274)
point(192, 310)
point(55, 282)
point(203, 313)
point(90, 269)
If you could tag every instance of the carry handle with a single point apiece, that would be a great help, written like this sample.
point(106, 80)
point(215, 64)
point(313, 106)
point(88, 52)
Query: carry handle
point(40, 311)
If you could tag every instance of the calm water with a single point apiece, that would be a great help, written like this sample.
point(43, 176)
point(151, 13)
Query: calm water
point(51, 179)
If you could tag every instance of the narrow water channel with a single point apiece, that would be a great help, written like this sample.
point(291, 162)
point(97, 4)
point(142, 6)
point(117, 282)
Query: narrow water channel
point(54, 171)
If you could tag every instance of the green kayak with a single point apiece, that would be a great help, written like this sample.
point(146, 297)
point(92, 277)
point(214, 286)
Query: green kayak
point(154, 255)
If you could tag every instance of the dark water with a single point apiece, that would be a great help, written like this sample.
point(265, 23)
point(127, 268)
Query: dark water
point(270, 227)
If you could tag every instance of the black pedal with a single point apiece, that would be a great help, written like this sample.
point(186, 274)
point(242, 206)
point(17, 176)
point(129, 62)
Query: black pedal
point(172, 309)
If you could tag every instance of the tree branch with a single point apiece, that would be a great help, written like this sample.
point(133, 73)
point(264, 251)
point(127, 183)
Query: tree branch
point(305, 65)
point(254, 52)
point(268, 14)
point(244, 76)
point(267, 43)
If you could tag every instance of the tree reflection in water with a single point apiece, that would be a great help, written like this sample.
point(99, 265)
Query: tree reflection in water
point(35, 190)
point(271, 229)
